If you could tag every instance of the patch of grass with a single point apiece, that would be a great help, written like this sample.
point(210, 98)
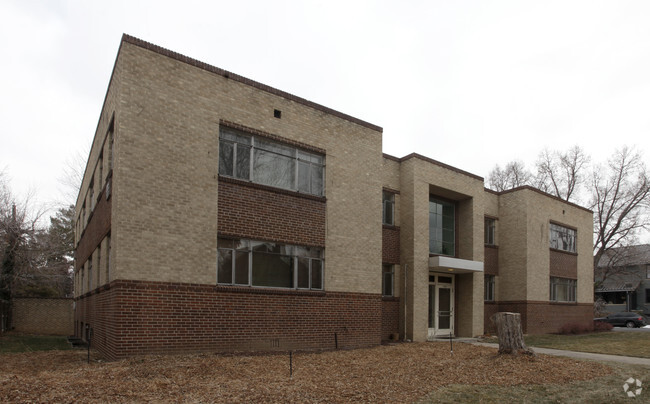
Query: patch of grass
point(611, 343)
point(13, 343)
point(606, 389)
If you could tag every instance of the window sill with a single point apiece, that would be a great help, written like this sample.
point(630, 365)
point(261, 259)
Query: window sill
point(563, 252)
point(271, 189)
point(389, 226)
point(269, 291)
point(564, 303)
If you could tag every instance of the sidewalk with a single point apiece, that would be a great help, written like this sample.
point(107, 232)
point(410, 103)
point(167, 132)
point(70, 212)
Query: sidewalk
point(577, 355)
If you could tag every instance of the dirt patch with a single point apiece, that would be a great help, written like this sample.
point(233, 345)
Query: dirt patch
point(394, 373)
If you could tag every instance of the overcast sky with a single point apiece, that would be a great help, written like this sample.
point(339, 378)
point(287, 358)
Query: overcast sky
point(468, 83)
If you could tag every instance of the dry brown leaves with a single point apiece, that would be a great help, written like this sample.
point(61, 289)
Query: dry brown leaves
point(395, 373)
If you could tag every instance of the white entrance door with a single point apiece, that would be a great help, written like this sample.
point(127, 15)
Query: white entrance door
point(441, 305)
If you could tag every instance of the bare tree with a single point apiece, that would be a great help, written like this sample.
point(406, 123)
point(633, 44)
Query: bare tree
point(17, 229)
point(561, 173)
point(513, 175)
point(620, 193)
point(73, 173)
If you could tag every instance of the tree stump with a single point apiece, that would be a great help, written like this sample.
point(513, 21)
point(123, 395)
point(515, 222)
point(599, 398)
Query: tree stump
point(511, 338)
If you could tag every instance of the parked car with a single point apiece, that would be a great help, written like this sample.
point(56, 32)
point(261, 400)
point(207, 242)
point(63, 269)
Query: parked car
point(624, 319)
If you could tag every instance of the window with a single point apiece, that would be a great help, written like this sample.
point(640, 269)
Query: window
point(387, 279)
point(388, 200)
point(490, 228)
point(267, 264)
point(563, 238)
point(489, 288)
point(256, 159)
point(99, 263)
point(442, 227)
point(563, 290)
point(647, 296)
point(90, 273)
point(108, 258)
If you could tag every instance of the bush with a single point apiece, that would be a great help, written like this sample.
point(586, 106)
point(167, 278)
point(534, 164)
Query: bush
point(600, 326)
point(576, 328)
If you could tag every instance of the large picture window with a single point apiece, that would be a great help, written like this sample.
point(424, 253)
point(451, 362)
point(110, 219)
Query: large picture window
point(261, 263)
point(254, 158)
point(563, 290)
point(442, 227)
point(563, 238)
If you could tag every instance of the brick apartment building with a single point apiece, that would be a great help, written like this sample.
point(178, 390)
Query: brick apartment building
point(218, 214)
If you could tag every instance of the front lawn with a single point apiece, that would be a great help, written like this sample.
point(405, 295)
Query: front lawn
point(609, 342)
point(401, 373)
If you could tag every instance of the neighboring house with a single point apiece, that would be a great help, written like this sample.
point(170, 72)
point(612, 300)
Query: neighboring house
point(220, 214)
point(622, 279)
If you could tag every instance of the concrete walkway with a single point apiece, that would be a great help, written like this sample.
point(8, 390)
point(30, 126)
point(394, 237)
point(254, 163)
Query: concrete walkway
point(577, 355)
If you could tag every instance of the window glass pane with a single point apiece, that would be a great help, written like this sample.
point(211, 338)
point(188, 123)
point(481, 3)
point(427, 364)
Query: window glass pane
point(243, 167)
point(317, 179)
point(303, 273)
point(224, 266)
point(241, 267)
point(444, 279)
point(241, 244)
point(316, 274)
point(272, 270)
point(225, 158)
point(273, 169)
point(304, 177)
point(388, 284)
point(234, 136)
point(388, 213)
point(277, 148)
point(224, 243)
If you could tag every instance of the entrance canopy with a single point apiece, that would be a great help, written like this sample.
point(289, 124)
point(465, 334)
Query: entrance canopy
point(454, 265)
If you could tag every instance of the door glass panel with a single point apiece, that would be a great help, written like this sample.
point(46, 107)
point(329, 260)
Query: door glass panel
point(432, 305)
point(444, 312)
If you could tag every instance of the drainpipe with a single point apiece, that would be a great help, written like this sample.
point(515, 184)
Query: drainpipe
point(405, 301)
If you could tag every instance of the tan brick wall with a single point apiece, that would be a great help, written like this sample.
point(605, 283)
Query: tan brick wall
point(164, 223)
point(419, 179)
point(524, 249)
point(43, 316)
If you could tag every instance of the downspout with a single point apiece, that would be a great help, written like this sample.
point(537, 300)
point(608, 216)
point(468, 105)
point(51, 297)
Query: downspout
point(405, 301)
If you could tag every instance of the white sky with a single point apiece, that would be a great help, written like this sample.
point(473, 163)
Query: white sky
point(468, 83)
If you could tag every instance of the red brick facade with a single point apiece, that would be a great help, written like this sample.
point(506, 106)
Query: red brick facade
point(390, 245)
point(263, 213)
point(563, 264)
point(547, 317)
point(491, 264)
point(135, 317)
point(390, 317)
